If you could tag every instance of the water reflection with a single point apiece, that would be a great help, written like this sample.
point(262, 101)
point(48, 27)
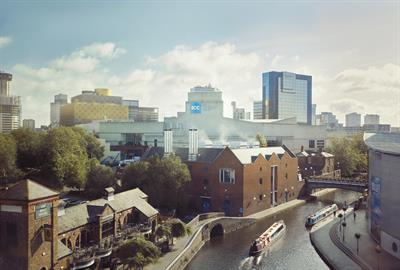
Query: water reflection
point(292, 251)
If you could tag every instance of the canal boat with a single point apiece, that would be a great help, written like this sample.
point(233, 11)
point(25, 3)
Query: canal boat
point(321, 214)
point(265, 240)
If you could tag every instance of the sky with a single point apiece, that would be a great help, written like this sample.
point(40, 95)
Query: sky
point(155, 51)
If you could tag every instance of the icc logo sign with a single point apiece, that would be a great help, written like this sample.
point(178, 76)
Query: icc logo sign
point(195, 107)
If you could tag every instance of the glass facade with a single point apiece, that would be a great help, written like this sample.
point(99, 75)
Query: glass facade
point(287, 95)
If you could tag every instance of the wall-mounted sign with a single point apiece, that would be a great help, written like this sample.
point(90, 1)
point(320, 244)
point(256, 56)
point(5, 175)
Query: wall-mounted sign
point(195, 107)
point(42, 210)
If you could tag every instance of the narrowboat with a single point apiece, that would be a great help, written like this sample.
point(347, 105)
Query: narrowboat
point(267, 238)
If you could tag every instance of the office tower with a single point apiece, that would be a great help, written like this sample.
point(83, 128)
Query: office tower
point(286, 95)
point(239, 113)
point(140, 114)
point(10, 106)
point(353, 120)
point(314, 114)
point(55, 107)
point(28, 123)
point(258, 110)
point(205, 100)
point(329, 120)
point(371, 119)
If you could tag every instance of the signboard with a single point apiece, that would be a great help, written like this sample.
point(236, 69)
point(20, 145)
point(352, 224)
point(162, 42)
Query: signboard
point(195, 107)
point(376, 212)
point(42, 210)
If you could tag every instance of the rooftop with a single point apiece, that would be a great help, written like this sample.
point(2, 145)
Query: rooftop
point(384, 142)
point(26, 190)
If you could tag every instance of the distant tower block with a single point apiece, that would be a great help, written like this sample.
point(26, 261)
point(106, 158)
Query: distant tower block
point(168, 149)
point(193, 144)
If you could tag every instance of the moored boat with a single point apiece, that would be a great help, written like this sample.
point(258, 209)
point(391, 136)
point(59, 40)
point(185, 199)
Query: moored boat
point(267, 238)
point(321, 214)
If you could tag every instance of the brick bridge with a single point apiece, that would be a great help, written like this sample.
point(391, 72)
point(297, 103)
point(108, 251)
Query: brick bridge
point(348, 184)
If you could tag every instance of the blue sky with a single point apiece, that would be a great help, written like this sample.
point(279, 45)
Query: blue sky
point(156, 51)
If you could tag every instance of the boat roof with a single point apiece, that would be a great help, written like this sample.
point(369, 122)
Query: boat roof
point(322, 210)
point(273, 228)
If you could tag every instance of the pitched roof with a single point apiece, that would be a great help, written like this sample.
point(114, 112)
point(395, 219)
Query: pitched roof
point(246, 155)
point(26, 190)
point(63, 250)
point(82, 214)
point(207, 155)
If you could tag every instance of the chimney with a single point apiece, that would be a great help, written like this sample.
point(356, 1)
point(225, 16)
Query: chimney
point(168, 142)
point(109, 194)
point(302, 149)
point(193, 144)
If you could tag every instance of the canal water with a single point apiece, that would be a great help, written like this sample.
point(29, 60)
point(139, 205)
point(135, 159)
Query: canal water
point(292, 251)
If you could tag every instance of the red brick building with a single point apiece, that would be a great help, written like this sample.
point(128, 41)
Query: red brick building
point(37, 233)
point(241, 181)
point(317, 164)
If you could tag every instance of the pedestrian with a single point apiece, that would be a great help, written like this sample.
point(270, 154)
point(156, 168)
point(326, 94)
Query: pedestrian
point(334, 213)
point(354, 215)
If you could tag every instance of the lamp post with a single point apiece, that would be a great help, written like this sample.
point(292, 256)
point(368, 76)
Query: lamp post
point(340, 221)
point(357, 236)
point(344, 224)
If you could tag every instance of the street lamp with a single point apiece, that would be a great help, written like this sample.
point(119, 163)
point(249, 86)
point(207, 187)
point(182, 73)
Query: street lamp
point(340, 221)
point(357, 236)
point(344, 224)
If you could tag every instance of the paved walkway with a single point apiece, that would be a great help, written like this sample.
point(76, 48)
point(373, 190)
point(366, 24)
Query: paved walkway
point(367, 245)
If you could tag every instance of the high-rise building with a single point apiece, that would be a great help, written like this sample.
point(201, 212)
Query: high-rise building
point(287, 95)
point(239, 113)
point(329, 120)
point(205, 100)
point(28, 123)
point(258, 110)
point(353, 120)
point(140, 114)
point(55, 107)
point(314, 115)
point(10, 106)
point(371, 119)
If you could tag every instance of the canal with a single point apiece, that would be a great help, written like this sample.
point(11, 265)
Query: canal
point(293, 251)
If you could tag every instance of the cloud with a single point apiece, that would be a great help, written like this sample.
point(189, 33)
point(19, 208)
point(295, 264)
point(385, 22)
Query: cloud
point(164, 80)
point(4, 41)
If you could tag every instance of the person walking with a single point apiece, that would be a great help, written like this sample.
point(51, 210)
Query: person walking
point(354, 215)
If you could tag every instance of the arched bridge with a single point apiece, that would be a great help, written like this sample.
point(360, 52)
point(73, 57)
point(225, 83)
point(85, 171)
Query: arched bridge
point(348, 184)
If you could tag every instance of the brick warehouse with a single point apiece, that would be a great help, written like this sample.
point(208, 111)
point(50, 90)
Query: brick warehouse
point(37, 233)
point(240, 181)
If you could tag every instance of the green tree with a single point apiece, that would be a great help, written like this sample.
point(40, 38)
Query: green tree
point(137, 253)
point(30, 145)
point(66, 161)
point(178, 228)
point(99, 177)
point(8, 152)
point(262, 140)
point(163, 230)
point(92, 145)
point(135, 175)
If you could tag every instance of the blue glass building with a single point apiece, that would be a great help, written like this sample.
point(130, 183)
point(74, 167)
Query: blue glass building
point(287, 94)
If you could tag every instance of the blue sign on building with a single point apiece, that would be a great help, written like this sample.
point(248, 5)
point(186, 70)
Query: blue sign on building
point(195, 107)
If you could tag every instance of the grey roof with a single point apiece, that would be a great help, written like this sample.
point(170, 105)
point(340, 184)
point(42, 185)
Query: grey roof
point(326, 154)
point(302, 154)
point(26, 190)
point(63, 250)
point(384, 142)
point(82, 214)
point(245, 154)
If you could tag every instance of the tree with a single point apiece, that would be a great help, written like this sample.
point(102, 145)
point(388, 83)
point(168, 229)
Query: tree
point(163, 230)
point(262, 140)
point(92, 145)
point(350, 154)
point(30, 145)
point(178, 228)
point(135, 175)
point(66, 160)
point(137, 252)
point(8, 150)
point(99, 177)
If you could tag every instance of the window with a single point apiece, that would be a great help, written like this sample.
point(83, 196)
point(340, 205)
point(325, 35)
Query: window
point(260, 169)
point(285, 176)
point(320, 143)
point(227, 175)
point(260, 197)
point(260, 180)
point(107, 228)
point(311, 144)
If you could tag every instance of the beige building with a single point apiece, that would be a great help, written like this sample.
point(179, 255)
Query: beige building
point(28, 123)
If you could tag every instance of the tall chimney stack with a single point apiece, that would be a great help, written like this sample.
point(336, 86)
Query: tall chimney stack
point(168, 142)
point(193, 144)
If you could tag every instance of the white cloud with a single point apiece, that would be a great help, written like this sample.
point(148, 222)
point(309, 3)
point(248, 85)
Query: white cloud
point(164, 80)
point(4, 41)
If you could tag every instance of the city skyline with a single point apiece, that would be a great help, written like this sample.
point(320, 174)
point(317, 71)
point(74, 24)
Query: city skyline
point(136, 56)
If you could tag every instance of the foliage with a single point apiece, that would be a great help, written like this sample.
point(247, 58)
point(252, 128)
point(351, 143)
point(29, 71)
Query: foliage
point(162, 179)
point(163, 230)
point(350, 154)
point(29, 147)
point(8, 151)
point(99, 177)
point(65, 160)
point(262, 140)
point(93, 147)
point(138, 252)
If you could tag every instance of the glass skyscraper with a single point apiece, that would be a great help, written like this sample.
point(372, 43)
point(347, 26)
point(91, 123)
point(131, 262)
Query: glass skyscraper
point(287, 94)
